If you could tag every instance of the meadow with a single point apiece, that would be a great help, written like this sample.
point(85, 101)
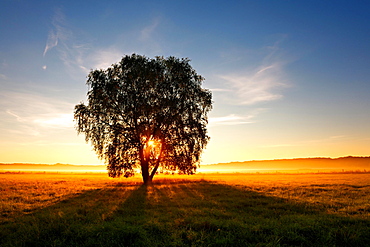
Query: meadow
point(60, 209)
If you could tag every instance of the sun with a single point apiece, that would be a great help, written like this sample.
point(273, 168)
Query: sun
point(151, 143)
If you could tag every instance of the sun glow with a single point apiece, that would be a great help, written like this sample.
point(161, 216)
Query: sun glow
point(153, 148)
point(151, 143)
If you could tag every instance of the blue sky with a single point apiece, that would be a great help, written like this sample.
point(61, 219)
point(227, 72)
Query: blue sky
point(289, 78)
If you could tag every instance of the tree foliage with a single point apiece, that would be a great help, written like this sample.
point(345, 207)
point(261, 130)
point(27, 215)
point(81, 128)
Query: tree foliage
point(146, 113)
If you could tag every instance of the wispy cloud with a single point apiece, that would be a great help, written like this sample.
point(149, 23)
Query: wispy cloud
point(32, 114)
point(18, 118)
point(55, 120)
point(71, 51)
point(235, 119)
point(257, 86)
point(261, 83)
point(231, 119)
point(149, 38)
point(103, 58)
point(51, 42)
point(47, 143)
point(3, 77)
point(148, 31)
point(80, 56)
point(220, 90)
point(58, 31)
point(142, 41)
point(74, 58)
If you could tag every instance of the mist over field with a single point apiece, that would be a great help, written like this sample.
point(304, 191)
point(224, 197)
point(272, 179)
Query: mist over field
point(293, 165)
point(343, 164)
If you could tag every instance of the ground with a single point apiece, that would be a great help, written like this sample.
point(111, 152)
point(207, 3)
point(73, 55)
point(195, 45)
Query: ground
point(200, 210)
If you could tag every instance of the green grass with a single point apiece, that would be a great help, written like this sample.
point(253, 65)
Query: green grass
point(182, 213)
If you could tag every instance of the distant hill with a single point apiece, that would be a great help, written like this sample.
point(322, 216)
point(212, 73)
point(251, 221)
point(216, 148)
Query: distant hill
point(51, 168)
point(302, 164)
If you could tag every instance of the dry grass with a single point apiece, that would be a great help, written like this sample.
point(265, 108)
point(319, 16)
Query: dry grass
point(25, 192)
point(344, 194)
point(339, 193)
point(200, 210)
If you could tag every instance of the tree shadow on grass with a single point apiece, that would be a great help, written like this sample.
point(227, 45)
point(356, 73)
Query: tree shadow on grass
point(182, 214)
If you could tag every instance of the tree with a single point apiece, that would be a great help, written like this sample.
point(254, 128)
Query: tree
point(146, 113)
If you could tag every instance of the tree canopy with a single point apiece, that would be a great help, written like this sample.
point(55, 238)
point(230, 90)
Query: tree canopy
point(146, 113)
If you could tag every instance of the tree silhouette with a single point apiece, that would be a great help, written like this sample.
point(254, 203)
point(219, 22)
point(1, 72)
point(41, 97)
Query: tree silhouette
point(146, 113)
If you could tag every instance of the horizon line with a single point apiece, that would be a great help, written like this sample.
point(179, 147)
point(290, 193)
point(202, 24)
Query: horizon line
point(255, 160)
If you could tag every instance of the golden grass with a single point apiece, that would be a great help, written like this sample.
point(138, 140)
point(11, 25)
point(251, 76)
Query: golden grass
point(347, 194)
point(25, 192)
point(344, 194)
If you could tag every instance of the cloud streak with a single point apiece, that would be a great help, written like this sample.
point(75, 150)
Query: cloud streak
point(51, 42)
point(79, 56)
point(231, 119)
point(73, 53)
point(103, 58)
point(147, 32)
point(55, 120)
point(31, 114)
point(141, 41)
point(57, 33)
point(3, 77)
point(262, 83)
point(235, 119)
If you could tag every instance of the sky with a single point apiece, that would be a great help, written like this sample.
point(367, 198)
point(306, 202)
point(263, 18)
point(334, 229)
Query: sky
point(290, 79)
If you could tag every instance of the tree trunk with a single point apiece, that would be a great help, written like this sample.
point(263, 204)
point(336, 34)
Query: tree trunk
point(147, 179)
point(157, 164)
point(154, 170)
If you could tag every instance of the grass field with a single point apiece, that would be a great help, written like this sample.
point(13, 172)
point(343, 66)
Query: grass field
point(201, 210)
